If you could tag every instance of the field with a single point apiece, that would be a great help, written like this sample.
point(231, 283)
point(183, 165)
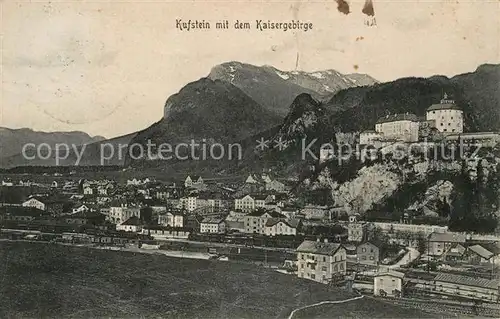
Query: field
point(355, 309)
point(42, 280)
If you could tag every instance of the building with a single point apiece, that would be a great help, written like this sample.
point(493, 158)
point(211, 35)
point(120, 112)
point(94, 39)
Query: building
point(209, 202)
point(172, 219)
point(447, 116)
point(456, 253)
point(165, 233)
point(477, 254)
point(315, 212)
point(119, 214)
point(133, 224)
point(369, 137)
point(249, 203)
point(280, 227)
point(213, 225)
point(275, 185)
point(20, 213)
point(85, 218)
point(193, 182)
point(255, 222)
point(487, 139)
point(411, 228)
point(369, 253)
point(469, 287)
point(35, 203)
point(189, 203)
point(321, 261)
point(388, 284)
point(401, 127)
point(192, 222)
point(440, 243)
point(88, 190)
point(289, 212)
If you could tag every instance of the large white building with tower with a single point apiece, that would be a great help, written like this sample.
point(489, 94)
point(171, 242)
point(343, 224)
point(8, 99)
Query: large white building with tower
point(448, 117)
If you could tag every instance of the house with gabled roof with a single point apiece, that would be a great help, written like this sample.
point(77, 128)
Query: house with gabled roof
point(456, 252)
point(282, 227)
point(193, 181)
point(133, 224)
point(213, 225)
point(321, 261)
point(251, 202)
point(477, 254)
point(388, 284)
point(440, 243)
point(35, 202)
point(369, 252)
point(255, 222)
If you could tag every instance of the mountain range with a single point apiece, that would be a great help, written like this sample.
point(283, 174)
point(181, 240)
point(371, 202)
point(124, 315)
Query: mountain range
point(239, 102)
point(275, 90)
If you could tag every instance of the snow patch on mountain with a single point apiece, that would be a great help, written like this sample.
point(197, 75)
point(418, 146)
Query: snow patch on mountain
point(318, 75)
point(282, 75)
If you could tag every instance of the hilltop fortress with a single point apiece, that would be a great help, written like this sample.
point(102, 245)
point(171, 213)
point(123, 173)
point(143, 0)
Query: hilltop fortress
point(443, 121)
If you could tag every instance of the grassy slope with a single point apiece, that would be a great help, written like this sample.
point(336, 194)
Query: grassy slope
point(62, 281)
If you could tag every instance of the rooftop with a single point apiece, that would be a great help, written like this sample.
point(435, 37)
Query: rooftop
point(212, 220)
point(444, 104)
point(321, 248)
point(447, 237)
point(390, 273)
point(481, 251)
point(398, 117)
point(468, 281)
point(290, 222)
point(132, 221)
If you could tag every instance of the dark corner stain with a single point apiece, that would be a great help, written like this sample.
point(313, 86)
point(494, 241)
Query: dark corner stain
point(368, 8)
point(343, 6)
point(356, 67)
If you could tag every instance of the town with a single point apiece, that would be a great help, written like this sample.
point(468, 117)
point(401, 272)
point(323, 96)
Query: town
point(258, 220)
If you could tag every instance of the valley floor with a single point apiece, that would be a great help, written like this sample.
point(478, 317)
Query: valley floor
point(43, 280)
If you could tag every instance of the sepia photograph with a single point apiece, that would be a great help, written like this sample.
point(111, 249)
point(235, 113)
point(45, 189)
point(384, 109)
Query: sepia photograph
point(229, 159)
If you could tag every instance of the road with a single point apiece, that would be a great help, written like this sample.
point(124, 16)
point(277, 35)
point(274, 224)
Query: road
point(410, 256)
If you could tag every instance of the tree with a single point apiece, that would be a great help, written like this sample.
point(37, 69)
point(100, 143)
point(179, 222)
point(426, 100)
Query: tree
point(443, 208)
point(421, 244)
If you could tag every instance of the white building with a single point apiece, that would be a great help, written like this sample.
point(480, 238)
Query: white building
point(88, 190)
point(369, 137)
point(194, 181)
point(250, 203)
point(388, 284)
point(279, 227)
point(172, 219)
point(33, 202)
point(133, 224)
point(401, 127)
point(120, 214)
point(447, 116)
point(188, 203)
point(255, 222)
point(213, 225)
point(412, 228)
point(321, 261)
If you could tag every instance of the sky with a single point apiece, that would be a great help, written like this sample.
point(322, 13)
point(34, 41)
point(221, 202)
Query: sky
point(107, 68)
